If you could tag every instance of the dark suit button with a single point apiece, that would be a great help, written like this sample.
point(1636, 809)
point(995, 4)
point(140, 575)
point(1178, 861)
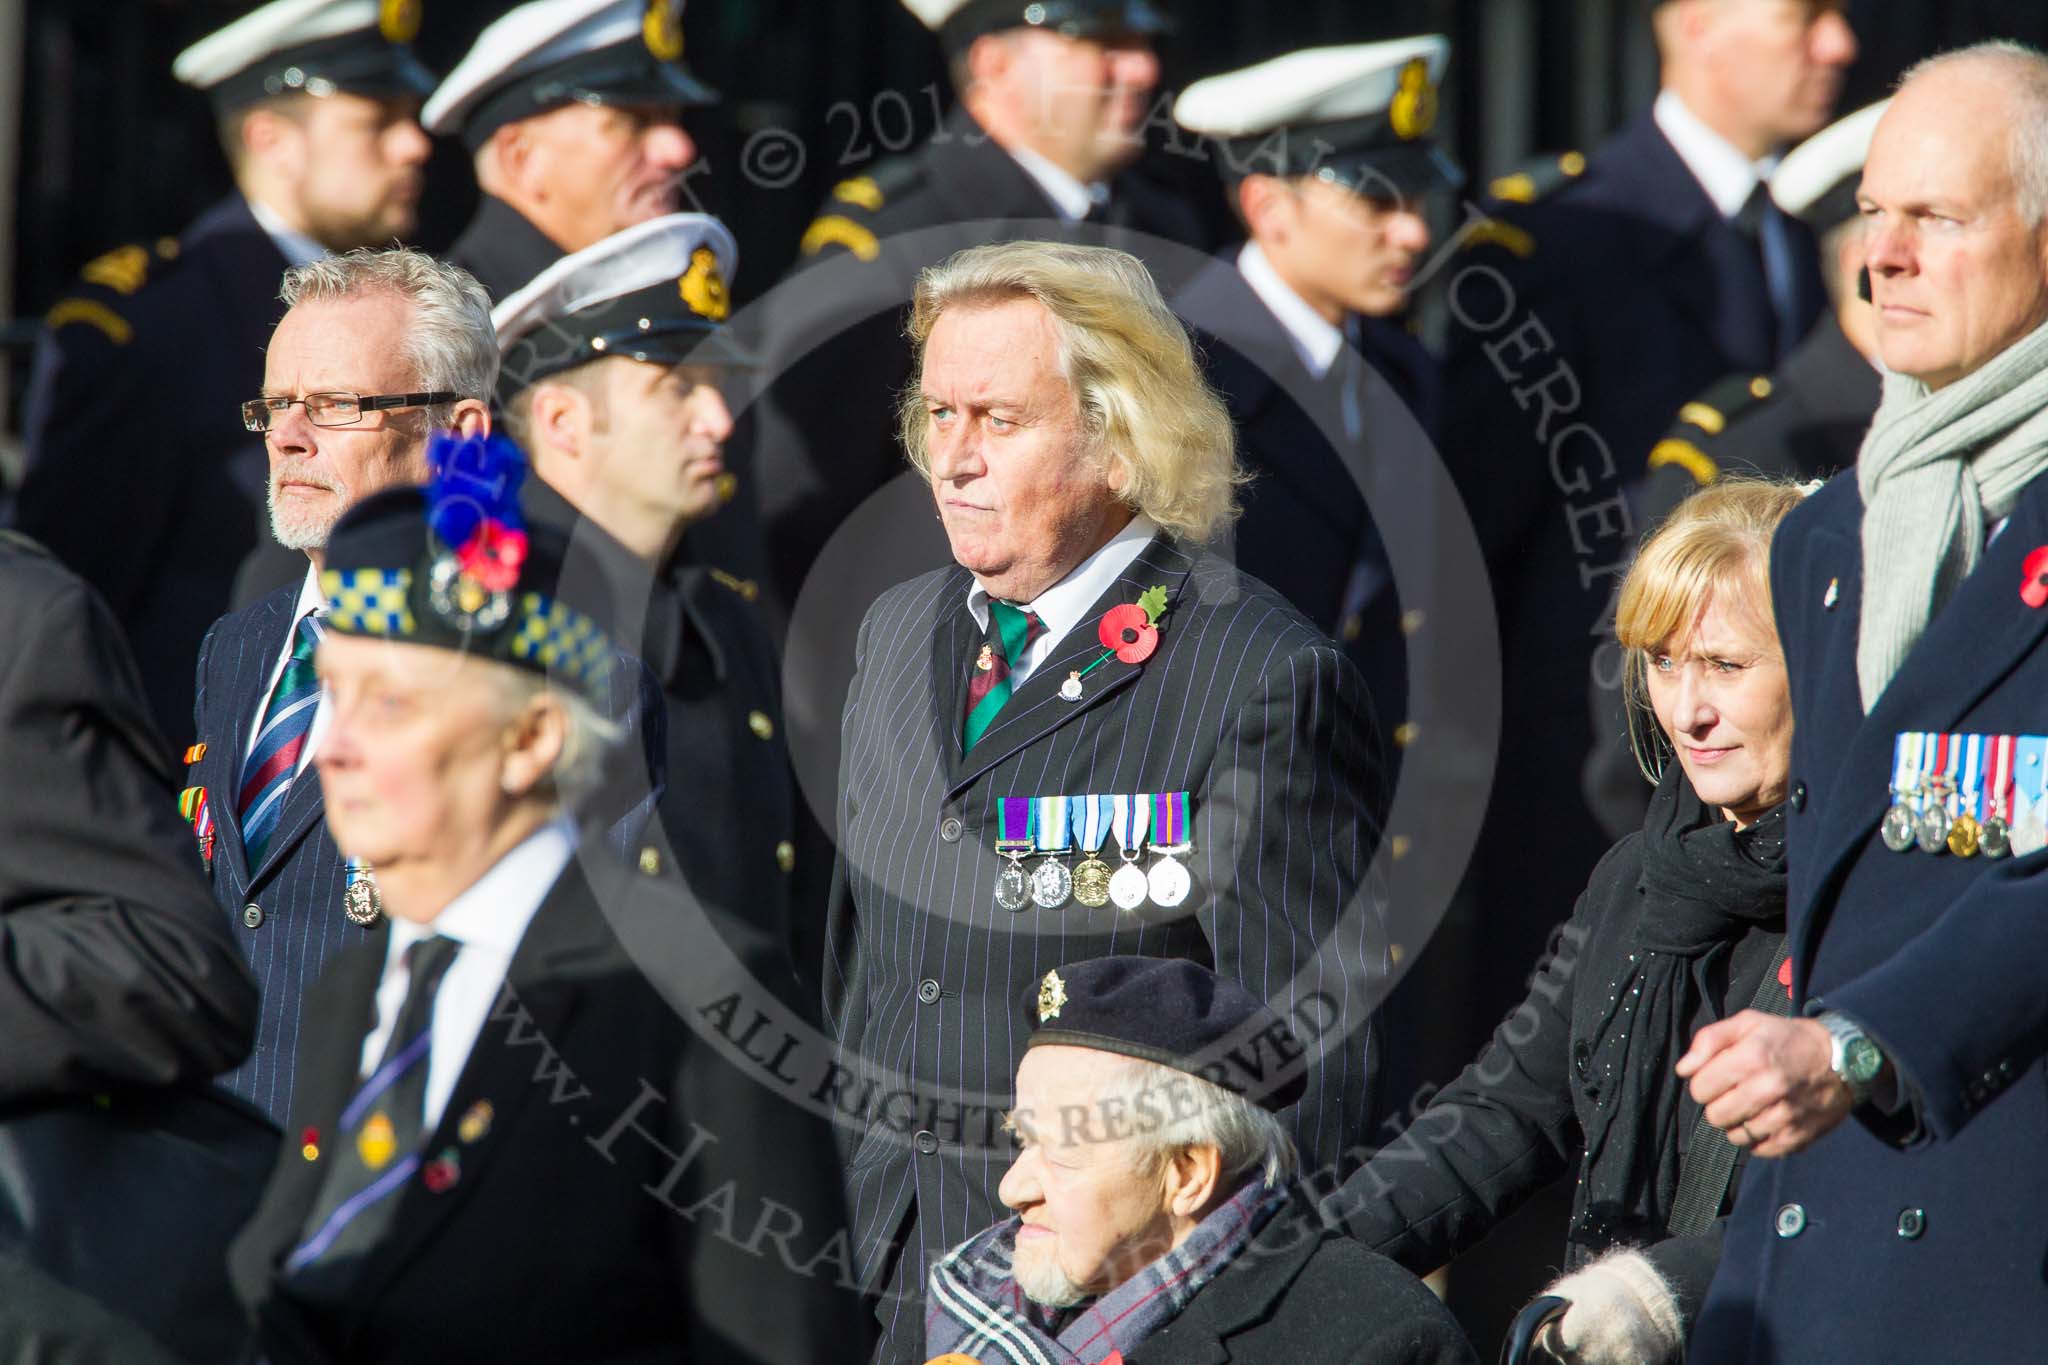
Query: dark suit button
point(2005, 1070)
point(1912, 1222)
point(1791, 1220)
point(928, 991)
point(950, 829)
point(1582, 1057)
point(252, 915)
point(927, 1142)
point(1798, 796)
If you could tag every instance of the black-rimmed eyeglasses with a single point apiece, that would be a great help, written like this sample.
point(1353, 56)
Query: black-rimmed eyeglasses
point(338, 409)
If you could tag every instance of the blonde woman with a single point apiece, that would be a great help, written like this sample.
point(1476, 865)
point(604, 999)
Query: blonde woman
point(1680, 926)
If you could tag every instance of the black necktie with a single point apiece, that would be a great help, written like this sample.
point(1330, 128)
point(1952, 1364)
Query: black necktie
point(376, 1142)
point(1760, 220)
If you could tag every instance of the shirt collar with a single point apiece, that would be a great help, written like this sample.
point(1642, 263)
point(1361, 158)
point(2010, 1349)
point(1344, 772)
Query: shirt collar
point(293, 245)
point(310, 597)
point(1724, 173)
point(1314, 339)
point(1061, 605)
point(1072, 198)
point(494, 912)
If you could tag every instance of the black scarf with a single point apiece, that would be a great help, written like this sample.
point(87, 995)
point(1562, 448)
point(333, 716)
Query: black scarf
point(1705, 886)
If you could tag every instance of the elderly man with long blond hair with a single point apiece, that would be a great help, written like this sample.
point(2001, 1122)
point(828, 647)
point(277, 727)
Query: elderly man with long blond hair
point(1088, 736)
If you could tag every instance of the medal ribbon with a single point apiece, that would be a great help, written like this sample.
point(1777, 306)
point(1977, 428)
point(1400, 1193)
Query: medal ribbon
point(1905, 764)
point(1016, 817)
point(1948, 757)
point(1998, 792)
point(1051, 823)
point(1170, 819)
point(1131, 817)
point(355, 870)
point(1090, 817)
point(1971, 800)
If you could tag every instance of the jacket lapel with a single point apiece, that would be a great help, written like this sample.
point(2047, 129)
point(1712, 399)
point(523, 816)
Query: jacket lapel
point(247, 689)
point(515, 1067)
point(1242, 1294)
point(1036, 708)
point(1975, 641)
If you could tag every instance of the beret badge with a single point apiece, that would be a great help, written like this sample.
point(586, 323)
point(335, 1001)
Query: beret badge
point(1052, 994)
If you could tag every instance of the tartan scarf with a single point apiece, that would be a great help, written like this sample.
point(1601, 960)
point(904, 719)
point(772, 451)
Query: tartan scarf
point(977, 1309)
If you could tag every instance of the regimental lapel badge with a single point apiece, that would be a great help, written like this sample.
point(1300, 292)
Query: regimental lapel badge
point(1832, 595)
point(476, 1122)
point(377, 1143)
point(1052, 996)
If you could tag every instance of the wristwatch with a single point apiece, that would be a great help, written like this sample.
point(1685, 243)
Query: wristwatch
point(1854, 1057)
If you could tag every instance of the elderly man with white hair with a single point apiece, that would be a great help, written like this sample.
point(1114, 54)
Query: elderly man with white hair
point(492, 1064)
point(1154, 1212)
point(1906, 1097)
point(1087, 735)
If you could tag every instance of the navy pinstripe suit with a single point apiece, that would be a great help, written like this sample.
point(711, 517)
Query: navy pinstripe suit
point(297, 889)
point(1246, 706)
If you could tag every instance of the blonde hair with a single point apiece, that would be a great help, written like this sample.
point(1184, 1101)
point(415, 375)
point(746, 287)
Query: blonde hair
point(1716, 541)
point(1147, 411)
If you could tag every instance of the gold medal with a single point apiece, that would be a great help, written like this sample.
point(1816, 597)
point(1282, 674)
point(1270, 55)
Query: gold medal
point(1091, 882)
point(1963, 836)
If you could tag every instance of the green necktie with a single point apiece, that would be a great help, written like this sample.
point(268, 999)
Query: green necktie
point(1010, 632)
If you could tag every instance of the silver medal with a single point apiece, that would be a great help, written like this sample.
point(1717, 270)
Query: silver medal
point(1129, 887)
point(1013, 888)
point(1932, 829)
point(1168, 882)
point(1994, 840)
point(1051, 884)
point(1898, 828)
point(361, 903)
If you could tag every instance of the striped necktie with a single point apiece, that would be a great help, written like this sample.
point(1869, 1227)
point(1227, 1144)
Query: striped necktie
point(280, 740)
point(375, 1148)
point(1010, 632)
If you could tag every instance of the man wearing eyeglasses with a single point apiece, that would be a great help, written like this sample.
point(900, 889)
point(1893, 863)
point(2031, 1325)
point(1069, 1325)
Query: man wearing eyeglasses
point(377, 349)
point(139, 475)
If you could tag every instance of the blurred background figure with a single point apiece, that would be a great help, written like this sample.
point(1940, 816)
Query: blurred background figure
point(122, 1173)
point(571, 112)
point(141, 475)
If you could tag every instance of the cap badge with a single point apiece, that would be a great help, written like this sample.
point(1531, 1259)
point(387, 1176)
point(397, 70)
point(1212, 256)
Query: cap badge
point(1052, 994)
point(399, 20)
point(703, 288)
point(662, 30)
point(1414, 108)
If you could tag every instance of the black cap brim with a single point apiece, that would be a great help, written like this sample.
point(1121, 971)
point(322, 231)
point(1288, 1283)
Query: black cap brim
point(622, 74)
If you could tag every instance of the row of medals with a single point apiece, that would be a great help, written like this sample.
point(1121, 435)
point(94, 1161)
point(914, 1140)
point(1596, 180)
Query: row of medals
point(1050, 885)
point(1933, 829)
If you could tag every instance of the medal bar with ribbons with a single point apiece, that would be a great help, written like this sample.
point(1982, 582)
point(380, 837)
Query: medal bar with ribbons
point(1015, 817)
point(1168, 881)
point(1967, 794)
point(1090, 818)
point(1051, 884)
point(1131, 821)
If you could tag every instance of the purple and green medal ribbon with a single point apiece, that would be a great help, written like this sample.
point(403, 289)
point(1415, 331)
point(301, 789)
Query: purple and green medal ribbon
point(1017, 822)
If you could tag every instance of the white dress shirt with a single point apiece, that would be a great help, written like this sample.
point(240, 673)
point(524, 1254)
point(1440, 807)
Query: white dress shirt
point(1314, 339)
point(295, 246)
point(1061, 605)
point(1728, 177)
point(1069, 196)
point(310, 599)
point(486, 921)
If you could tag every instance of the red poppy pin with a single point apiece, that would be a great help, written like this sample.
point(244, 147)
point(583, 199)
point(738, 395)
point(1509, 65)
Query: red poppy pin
point(1785, 976)
point(2034, 577)
point(1132, 629)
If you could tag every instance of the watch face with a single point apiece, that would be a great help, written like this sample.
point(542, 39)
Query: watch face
point(1862, 1061)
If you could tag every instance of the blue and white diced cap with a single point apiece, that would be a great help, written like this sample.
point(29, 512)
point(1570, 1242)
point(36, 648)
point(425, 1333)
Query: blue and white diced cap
point(549, 53)
point(1361, 116)
point(959, 22)
point(658, 291)
point(1817, 180)
point(312, 47)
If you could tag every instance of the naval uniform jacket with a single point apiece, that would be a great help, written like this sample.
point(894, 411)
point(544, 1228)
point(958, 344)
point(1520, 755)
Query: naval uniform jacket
point(823, 438)
point(140, 474)
point(502, 248)
point(1629, 293)
point(616, 1183)
point(1246, 706)
point(1920, 1236)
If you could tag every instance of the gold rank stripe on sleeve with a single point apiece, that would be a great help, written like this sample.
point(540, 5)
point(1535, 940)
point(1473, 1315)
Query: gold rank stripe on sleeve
point(92, 313)
point(1494, 232)
point(1707, 419)
point(861, 191)
point(1686, 456)
point(835, 229)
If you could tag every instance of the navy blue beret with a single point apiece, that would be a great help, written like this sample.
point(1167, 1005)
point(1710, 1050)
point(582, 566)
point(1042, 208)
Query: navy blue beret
point(1176, 1013)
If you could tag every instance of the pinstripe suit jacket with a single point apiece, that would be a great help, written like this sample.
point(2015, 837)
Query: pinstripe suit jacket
point(1246, 706)
point(297, 889)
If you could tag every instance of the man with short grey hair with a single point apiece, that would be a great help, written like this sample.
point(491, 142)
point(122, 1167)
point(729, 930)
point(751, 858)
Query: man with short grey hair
point(1155, 1210)
point(1906, 1096)
point(377, 349)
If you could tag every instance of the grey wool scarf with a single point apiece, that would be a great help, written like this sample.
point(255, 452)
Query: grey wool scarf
point(1936, 470)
